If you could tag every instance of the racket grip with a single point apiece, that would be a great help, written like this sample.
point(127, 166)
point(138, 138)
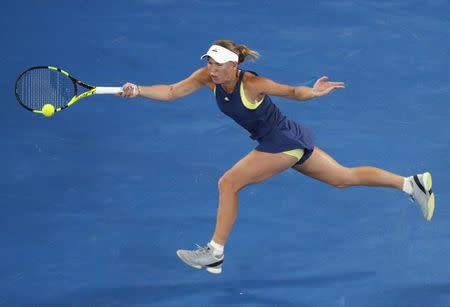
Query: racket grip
point(108, 90)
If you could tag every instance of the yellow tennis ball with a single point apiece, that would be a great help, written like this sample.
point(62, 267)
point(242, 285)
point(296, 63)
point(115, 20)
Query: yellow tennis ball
point(48, 110)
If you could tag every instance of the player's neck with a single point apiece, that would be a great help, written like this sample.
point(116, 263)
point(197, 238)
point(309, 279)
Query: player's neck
point(230, 85)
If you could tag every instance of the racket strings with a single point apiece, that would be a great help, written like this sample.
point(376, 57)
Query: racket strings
point(38, 87)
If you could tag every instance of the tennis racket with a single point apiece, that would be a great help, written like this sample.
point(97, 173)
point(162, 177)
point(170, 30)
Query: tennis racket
point(42, 85)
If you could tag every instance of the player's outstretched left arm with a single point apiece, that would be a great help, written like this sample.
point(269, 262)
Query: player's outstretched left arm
point(321, 87)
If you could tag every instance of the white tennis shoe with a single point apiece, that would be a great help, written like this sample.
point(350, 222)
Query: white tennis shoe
point(202, 258)
point(422, 193)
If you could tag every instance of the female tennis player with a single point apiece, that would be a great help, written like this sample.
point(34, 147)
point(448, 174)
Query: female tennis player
point(282, 142)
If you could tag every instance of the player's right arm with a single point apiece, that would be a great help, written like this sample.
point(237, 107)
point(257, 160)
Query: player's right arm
point(169, 92)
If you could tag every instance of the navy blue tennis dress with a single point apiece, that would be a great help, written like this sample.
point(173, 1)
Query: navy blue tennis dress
point(273, 131)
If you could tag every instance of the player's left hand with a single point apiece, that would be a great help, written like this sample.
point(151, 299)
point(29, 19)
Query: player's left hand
point(324, 87)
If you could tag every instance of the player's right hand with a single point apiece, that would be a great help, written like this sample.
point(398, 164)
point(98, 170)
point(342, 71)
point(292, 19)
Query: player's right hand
point(130, 90)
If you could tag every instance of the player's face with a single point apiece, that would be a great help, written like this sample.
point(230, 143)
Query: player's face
point(221, 73)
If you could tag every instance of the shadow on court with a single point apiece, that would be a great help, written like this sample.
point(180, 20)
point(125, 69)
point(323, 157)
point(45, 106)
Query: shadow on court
point(223, 293)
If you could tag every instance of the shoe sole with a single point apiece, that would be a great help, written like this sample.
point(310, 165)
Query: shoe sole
point(198, 267)
point(214, 270)
point(430, 205)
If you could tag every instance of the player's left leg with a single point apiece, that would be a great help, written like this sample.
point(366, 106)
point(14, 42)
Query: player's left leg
point(322, 167)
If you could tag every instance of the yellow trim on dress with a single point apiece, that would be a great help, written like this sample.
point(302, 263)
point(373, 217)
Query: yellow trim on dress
point(246, 102)
point(296, 153)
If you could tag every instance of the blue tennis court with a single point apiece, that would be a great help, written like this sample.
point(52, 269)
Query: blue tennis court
point(97, 199)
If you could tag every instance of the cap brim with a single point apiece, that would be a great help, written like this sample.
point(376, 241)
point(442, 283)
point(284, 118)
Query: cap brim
point(207, 56)
point(221, 55)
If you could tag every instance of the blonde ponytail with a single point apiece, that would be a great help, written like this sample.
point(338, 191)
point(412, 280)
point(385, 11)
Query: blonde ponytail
point(241, 50)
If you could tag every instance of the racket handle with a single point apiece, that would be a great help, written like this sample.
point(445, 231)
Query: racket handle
point(108, 90)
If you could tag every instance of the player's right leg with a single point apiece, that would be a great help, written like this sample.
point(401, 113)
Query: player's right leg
point(255, 167)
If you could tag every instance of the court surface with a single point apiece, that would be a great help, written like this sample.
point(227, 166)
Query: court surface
point(96, 200)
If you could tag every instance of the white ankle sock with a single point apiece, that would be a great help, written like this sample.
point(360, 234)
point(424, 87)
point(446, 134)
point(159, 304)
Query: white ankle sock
point(407, 186)
point(218, 249)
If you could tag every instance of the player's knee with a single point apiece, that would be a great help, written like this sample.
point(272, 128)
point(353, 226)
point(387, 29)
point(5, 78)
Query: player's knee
point(227, 184)
point(344, 180)
point(341, 185)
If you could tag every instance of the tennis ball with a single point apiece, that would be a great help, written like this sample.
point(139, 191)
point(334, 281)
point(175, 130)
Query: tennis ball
point(48, 110)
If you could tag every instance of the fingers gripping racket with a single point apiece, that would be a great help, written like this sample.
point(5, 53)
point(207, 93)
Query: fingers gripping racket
point(46, 86)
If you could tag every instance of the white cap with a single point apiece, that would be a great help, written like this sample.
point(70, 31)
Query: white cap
point(221, 55)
